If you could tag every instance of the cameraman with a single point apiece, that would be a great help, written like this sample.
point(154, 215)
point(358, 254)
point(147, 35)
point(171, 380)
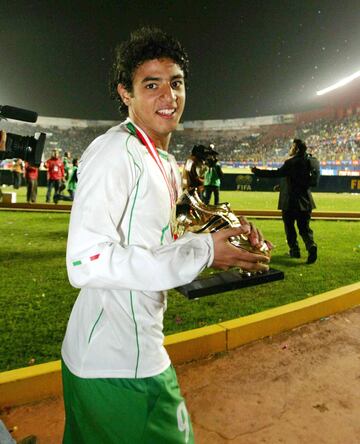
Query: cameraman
point(213, 176)
point(194, 170)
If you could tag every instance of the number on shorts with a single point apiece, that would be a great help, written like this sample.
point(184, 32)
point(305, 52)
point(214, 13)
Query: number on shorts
point(183, 420)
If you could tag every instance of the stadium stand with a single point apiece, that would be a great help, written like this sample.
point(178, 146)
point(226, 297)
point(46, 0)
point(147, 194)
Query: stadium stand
point(239, 141)
point(328, 139)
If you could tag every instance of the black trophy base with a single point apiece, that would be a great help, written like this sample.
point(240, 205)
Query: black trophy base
point(226, 281)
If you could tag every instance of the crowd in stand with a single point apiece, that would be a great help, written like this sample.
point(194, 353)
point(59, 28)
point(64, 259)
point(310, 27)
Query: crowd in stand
point(333, 140)
point(251, 148)
point(74, 139)
point(326, 139)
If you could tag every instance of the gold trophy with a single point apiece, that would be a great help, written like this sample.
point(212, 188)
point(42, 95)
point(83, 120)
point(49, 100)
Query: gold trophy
point(191, 214)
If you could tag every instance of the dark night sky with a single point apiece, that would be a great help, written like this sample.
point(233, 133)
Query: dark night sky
point(248, 58)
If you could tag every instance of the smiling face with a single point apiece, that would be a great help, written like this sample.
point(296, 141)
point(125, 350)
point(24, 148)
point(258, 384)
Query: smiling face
point(157, 100)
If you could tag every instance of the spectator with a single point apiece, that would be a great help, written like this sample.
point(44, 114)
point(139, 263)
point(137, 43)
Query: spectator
point(55, 174)
point(31, 176)
point(295, 199)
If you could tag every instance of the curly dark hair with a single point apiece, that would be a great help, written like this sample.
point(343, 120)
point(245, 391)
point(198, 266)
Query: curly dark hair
point(145, 44)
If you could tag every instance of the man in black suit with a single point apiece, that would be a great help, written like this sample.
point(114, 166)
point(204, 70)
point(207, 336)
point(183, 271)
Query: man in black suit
point(295, 199)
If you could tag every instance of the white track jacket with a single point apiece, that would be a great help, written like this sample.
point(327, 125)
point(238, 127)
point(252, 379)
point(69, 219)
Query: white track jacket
point(121, 255)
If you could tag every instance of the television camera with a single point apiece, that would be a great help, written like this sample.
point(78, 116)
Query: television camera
point(206, 154)
point(211, 158)
point(27, 148)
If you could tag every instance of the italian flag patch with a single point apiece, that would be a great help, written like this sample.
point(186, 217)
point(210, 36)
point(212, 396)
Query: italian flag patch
point(86, 260)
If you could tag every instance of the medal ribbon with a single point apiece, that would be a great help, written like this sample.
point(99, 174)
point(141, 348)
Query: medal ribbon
point(150, 146)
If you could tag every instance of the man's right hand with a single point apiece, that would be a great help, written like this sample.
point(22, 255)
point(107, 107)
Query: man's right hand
point(227, 255)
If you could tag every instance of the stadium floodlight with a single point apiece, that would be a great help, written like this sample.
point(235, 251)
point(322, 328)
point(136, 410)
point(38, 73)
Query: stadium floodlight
point(338, 84)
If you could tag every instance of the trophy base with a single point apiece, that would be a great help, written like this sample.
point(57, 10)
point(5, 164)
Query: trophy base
point(226, 281)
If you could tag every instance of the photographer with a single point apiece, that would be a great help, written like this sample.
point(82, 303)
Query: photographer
point(194, 170)
point(212, 179)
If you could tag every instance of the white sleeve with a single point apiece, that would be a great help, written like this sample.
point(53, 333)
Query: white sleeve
point(97, 257)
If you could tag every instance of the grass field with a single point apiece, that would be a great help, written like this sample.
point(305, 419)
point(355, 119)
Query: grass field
point(36, 298)
point(267, 200)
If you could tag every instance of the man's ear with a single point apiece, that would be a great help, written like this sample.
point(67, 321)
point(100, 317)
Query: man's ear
point(124, 94)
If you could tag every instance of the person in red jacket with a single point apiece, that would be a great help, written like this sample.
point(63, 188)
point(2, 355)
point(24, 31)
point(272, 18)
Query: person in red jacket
point(31, 176)
point(55, 174)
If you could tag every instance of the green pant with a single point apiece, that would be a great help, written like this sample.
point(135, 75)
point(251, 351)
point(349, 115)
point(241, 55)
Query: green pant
point(125, 411)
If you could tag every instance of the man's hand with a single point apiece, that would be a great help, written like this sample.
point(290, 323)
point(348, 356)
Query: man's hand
point(227, 255)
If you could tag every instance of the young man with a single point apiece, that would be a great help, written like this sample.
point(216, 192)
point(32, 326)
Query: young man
point(295, 199)
point(119, 385)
